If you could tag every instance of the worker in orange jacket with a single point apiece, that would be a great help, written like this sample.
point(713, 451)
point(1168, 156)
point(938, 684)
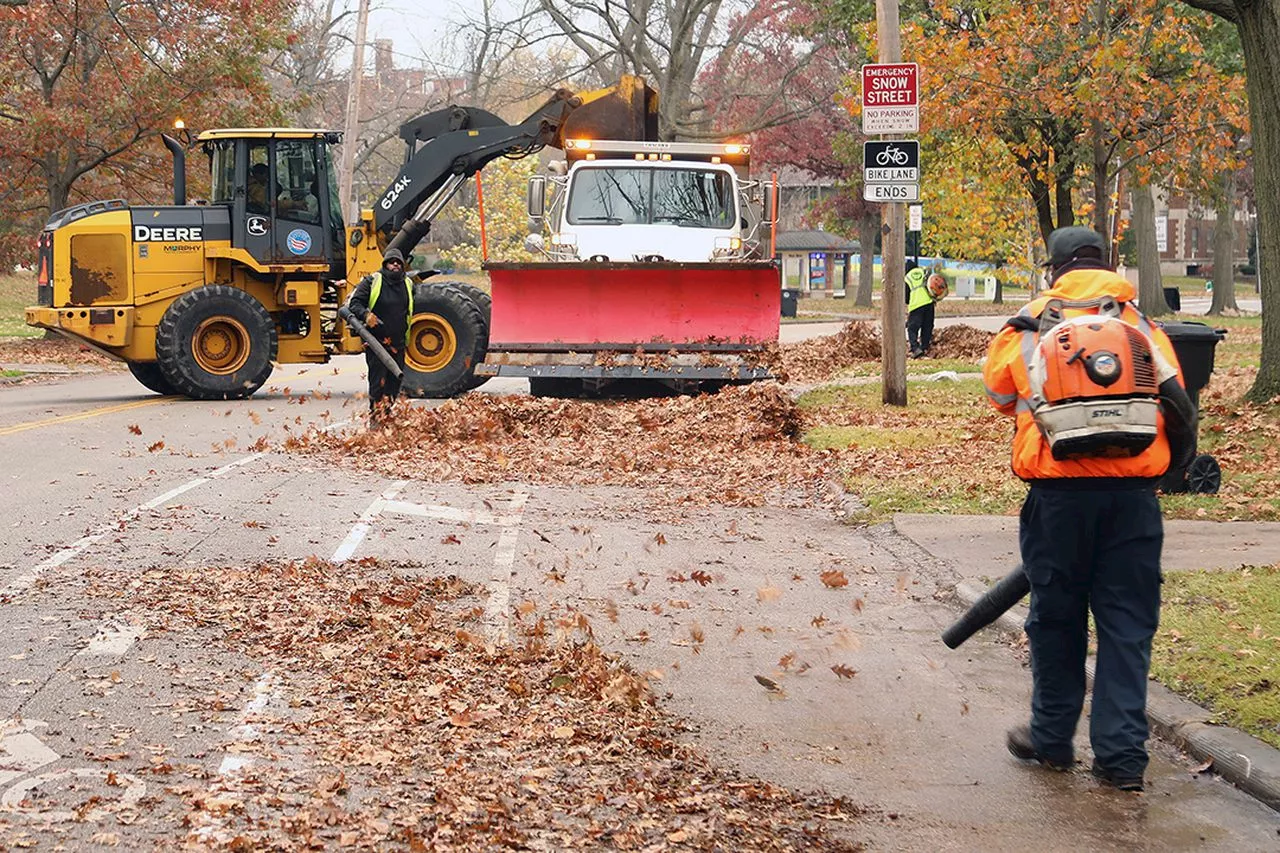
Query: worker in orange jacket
point(1090, 534)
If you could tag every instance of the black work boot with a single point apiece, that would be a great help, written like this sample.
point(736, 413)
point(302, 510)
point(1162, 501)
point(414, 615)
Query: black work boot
point(1019, 742)
point(1115, 780)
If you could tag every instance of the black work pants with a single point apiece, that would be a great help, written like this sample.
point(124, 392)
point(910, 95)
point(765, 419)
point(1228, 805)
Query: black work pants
point(383, 384)
point(1099, 550)
point(920, 328)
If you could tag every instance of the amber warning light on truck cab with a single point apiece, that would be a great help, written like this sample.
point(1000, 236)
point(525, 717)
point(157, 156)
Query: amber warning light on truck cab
point(734, 153)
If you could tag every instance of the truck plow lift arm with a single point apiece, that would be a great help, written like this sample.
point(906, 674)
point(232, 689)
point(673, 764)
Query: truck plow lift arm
point(447, 146)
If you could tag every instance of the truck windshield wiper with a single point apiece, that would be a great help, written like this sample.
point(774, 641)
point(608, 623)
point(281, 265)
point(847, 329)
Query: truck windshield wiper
point(611, 220)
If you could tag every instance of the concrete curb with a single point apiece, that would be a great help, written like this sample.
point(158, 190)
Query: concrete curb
point(1250, 764)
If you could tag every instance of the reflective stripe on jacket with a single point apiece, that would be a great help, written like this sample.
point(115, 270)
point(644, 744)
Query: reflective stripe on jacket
point(375, 290)
point(1008, 384)
point(918, 294)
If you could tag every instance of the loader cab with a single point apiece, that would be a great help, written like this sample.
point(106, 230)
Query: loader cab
point(280, 189)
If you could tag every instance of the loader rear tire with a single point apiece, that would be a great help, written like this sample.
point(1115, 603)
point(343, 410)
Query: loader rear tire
point(150, 375)
point(484, 302)
point(216, 343)
point(447, 339)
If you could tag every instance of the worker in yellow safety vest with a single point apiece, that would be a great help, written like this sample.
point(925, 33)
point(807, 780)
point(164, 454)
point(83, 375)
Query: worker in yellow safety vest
point(919, 310)
point(391, 293)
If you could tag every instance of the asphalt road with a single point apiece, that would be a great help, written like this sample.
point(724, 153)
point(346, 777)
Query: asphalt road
point(91, 703)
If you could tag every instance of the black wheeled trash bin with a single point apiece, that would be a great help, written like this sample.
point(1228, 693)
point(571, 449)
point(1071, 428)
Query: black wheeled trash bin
point(1194, 344)
point(1173, 298)
point(790, 298)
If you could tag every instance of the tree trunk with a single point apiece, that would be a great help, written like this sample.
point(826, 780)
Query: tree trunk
point(1260, 33)
point(1224, 247)
point(1150, 286)
point(868, 228)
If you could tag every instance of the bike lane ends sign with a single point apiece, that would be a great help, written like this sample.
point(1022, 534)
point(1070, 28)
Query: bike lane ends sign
point(891, 170)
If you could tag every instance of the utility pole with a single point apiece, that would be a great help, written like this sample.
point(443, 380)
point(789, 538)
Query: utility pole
point(351, 134)
point(893, 245)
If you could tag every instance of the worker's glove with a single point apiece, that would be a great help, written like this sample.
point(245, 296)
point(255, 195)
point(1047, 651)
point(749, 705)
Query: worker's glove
point(1165, 369)
point(371, 319)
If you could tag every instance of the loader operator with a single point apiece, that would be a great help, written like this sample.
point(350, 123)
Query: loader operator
point(389, 291)
point(1090, 530)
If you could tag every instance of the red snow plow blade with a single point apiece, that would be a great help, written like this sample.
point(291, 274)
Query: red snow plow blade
point(663, 320)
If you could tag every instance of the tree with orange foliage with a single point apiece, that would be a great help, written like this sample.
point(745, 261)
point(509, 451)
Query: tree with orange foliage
point(85, 88)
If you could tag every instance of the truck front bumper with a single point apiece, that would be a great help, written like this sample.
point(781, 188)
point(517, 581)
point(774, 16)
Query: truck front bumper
point(742, 367)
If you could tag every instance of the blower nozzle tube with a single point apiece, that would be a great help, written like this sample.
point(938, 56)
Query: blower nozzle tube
point(1008, 592)
point(374, 344)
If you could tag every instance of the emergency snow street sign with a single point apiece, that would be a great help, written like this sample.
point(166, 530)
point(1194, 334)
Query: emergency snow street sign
point(891, 98)
point(891, 170)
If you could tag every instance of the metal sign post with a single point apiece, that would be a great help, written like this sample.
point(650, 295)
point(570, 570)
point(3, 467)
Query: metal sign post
point(892, 97)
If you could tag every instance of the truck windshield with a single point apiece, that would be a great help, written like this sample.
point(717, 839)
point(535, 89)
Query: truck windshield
point(697, 198)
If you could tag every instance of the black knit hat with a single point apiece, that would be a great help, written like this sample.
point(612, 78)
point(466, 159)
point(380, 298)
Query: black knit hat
point(393, 255)
point(1066, 244)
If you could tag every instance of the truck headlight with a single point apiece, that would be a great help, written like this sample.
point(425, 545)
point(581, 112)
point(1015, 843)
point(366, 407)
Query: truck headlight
point(727, 247)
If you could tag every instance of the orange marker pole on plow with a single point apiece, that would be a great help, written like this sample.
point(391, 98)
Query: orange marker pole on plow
point(484, 240)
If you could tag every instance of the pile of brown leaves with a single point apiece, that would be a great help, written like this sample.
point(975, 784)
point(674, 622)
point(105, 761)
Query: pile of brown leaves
point(963, 343)
point(821, 358)
point(735, 447)
point(52, 351)
point(404, 728)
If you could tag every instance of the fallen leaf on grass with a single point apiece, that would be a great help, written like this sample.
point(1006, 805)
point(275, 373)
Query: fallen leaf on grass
point(563, 732)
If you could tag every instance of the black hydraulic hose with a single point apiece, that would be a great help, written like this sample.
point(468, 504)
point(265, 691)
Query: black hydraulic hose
point(374, 344)
point(1180, 417)
point(1008, 592)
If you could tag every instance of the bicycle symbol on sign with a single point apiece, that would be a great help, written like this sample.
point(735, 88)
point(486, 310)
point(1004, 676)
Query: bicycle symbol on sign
point(892, 155)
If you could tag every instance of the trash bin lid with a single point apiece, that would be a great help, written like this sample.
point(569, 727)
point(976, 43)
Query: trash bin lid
point(1192, 332)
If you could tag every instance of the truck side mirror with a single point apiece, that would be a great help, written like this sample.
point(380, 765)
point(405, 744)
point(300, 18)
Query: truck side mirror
point(537, 197)
point(770, 189)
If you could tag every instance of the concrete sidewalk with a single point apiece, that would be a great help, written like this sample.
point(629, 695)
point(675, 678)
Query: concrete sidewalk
point(983, 549)
point(986, 546)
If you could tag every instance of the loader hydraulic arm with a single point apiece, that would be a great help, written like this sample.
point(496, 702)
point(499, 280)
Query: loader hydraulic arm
point(447, 146)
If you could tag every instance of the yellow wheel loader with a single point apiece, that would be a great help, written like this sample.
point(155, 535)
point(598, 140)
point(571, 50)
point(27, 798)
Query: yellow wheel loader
point(203, 299)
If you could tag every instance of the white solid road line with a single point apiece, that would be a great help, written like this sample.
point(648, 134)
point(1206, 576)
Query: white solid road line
point(113, 639)
point(24, 581)
point(357, 534)
point(497, 610)
point(449, 513)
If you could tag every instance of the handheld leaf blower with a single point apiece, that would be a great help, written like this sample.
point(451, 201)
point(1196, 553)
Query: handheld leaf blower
point(369, 338)
point(1006, 593)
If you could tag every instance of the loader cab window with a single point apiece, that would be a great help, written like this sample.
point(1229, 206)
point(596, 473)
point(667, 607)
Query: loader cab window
point(297, 182)
point(257, 189)
point(336, 217)
point(223, 167)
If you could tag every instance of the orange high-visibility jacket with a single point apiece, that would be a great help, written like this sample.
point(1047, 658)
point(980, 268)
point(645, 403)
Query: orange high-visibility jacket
point(1009, 384)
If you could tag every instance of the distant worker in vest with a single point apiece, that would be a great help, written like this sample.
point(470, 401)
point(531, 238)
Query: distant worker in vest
point(389, 292)
point(919, 310)
point(1101, 412)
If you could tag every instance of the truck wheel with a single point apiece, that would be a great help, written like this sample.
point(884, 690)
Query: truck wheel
point(484, 302)
point(216, 343)
point(447, 335)
point(150, 375)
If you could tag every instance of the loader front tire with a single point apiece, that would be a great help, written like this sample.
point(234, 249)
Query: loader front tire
point(447, 339)
point(484, 302)
point(152, 378)
point(216, 343)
